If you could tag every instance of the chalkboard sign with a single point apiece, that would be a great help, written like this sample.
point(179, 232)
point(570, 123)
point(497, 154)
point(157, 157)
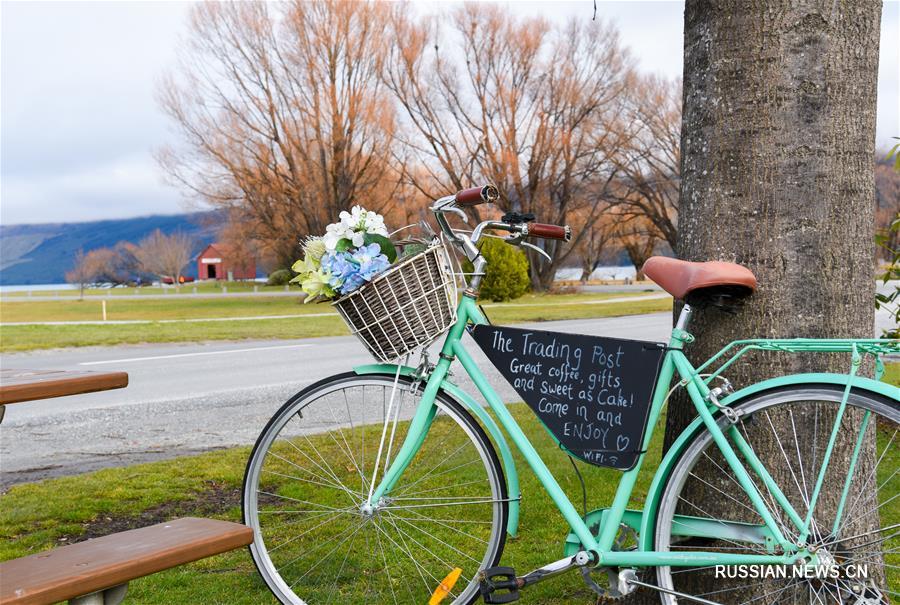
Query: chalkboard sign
point(592, 393)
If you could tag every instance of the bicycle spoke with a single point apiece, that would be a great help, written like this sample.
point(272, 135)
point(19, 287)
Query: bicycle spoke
point(344, 534)
point(431, 553)
point(386, 569)
point(324, 481)
point(778, 513)
point(424, 518)
point(337, 481)
point(300, 535)
point(302, 480)
point(442, 461)
point(412, 558)
point(400, 534)
point(340, 570)
point(870, 477)
point(787, 462)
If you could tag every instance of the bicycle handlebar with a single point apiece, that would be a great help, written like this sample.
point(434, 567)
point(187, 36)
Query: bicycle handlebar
point(558, 232)
point(519, 229)
point(477, 195)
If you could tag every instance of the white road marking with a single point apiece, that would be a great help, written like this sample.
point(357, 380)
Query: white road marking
point(155, 357)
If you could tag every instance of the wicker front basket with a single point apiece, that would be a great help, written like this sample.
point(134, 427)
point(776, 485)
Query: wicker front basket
point(404, 308)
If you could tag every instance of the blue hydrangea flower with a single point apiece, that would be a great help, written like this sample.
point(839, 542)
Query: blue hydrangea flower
point(371, 261)
point(338, 265)
point(350, 270)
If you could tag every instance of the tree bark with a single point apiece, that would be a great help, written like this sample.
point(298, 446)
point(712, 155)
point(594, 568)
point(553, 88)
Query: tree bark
point(778, 141)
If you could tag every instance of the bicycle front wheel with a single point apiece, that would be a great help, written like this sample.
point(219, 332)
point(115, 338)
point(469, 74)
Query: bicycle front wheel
point(308, 481)
point(855, 525)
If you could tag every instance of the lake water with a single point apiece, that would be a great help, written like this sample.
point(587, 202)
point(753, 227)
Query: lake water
point(609, 272)
point(38, 287)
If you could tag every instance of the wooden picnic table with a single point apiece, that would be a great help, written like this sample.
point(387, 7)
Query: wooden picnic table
point(17, 386)
point(97, 572)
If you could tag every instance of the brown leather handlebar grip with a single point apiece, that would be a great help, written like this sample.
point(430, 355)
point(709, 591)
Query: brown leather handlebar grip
point(477, 195)
point(562, 233)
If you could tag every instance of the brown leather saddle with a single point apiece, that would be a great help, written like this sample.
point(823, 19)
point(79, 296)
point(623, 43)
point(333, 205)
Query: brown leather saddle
point(702, 284)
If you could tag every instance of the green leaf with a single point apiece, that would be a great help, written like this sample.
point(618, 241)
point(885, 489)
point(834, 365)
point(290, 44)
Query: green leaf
point(413, 249)
point(386, 245)
point(895, 153)
point(343, 245)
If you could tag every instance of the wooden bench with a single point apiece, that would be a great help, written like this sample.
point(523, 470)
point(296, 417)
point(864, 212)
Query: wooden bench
point(17, 386)
point(97, 572)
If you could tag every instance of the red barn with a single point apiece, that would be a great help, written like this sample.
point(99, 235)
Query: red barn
point(217, 261)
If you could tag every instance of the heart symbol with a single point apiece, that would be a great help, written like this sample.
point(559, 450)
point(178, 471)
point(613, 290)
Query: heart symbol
point(622, 443)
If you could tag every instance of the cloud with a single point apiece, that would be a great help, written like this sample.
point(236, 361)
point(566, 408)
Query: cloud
point(78, 113)
point(121, 188)
point(79, 120)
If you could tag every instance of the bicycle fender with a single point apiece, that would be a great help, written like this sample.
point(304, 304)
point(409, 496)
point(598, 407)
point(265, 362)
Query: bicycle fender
point(490, 425)
point(859, 382)
point(654, 495)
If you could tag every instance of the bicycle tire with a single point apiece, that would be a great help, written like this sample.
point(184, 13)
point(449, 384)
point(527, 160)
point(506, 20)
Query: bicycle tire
point(687, 492)
point(393, 523)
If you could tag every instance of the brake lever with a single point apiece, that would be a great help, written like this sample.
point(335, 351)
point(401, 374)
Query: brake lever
point(458, 212)
point(536, 249)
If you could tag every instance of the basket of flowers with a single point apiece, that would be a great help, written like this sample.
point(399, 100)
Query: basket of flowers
point(395, 297)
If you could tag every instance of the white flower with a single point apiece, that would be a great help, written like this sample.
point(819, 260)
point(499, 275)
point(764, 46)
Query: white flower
point(354, 225)
point(334, 233)
point(375, 224)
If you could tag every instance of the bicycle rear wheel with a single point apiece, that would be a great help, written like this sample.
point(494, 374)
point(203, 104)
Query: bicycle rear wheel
point(788, 427)
point(310, 474)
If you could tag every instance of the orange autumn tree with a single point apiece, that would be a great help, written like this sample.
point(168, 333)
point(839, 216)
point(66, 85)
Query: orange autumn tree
point(283, 116)
point(532, 108)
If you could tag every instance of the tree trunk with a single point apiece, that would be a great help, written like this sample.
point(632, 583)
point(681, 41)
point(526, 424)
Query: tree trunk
point(778, 174)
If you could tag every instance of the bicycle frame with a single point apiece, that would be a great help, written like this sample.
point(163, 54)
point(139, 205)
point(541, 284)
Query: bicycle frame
point(729, 441)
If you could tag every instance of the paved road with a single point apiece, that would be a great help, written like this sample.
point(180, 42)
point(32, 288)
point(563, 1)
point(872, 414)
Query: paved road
point(186, 398)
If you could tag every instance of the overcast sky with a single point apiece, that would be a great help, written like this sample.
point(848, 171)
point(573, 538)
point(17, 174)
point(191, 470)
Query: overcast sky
point(78, 120)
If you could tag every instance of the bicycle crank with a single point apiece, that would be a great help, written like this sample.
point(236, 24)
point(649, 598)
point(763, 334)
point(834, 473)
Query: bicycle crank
point(501, 585)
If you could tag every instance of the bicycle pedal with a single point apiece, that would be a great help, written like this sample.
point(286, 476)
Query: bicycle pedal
point(498, 585)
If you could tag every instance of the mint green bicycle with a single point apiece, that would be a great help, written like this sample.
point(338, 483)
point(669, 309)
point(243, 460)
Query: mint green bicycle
point(389, 484)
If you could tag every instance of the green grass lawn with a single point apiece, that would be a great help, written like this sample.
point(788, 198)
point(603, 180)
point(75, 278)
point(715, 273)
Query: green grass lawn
point(892, 374)
point(532, 307)
point(34, 517)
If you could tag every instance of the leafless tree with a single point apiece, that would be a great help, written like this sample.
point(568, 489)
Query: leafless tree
point(532, 108)
point(639, 237)
point(595, 245)
point(82, 273)
point(164, 255)
point(649, 165)
point(113, 266)
point(283, 115)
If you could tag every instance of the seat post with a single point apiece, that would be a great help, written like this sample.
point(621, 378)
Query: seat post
point(684, 318)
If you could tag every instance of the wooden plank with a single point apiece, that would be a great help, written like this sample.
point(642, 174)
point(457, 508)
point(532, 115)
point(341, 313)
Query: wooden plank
point(79, 569)
point(28, 385)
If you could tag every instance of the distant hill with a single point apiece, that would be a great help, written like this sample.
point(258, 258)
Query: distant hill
point(41, 254)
